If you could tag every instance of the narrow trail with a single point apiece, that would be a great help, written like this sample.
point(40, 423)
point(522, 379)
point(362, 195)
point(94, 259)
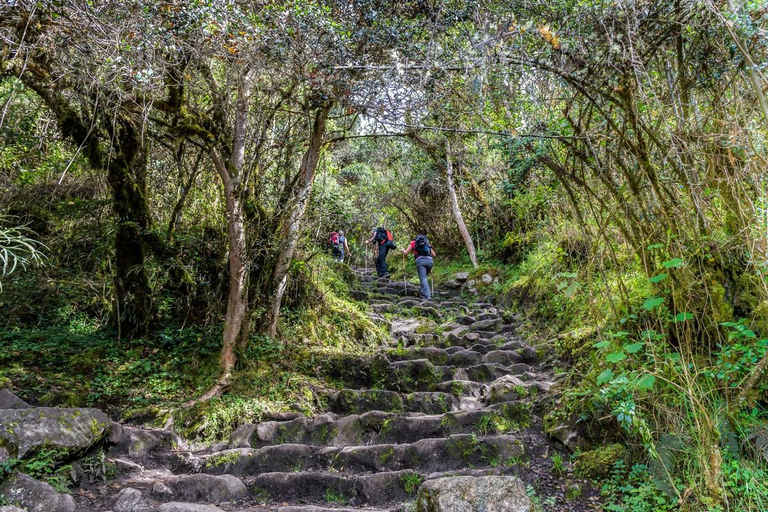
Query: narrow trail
point(456, 393)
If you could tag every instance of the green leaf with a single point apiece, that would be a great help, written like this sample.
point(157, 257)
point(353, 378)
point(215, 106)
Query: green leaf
point(673, 263)
point(658, 278)
point(634, 347)
point(572, 275)
point(604, 377)
point(655, 247)
point(682, 317)
point(615, 357)
point(620, 334)
point(602, 344)
point(652, 303)
point(572, 288)
point(645, 382)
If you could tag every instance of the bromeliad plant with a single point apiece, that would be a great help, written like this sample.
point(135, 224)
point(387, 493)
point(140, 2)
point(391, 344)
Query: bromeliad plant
point(17, 250)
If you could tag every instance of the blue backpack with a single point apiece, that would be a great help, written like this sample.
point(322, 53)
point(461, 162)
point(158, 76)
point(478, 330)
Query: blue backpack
point(422, 246)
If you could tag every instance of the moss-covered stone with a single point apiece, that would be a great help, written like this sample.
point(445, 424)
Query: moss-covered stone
point(462, 446)
point(222, 459)
point(598, 463)
point(24, 432)
point(518, 413)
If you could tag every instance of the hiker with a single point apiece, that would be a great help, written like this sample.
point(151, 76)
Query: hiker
point(385, 242)
point(339, 247)
point(423, 252)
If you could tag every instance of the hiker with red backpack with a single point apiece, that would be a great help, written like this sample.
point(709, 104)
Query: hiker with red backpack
point(423, 252)
point(385, 241)
point(338, 243)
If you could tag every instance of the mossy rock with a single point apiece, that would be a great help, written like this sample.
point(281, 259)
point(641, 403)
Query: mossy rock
point(517, 412)
point(63, 432)
point(598, 463)
point(412, 375)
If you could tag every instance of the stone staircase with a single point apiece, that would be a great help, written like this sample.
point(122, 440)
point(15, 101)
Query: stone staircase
point(456, 393)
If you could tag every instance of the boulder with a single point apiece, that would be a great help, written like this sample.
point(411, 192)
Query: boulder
point(570, 432)
point(455, 335)
point(187, 507)
point(131, 500)
point(124, 467)
point(528, 355)
point(161, 490)
point(10, 508)
point(506, 389)
point(452, 284)
point(469, 493)
point(35, 496)
point(461, 276)
point(466, 320)
point(10, 401)
point(69, 430)
point(470, 404)
point(493, 324)
point(208, 488)
point(470, 287)
point(139, 443)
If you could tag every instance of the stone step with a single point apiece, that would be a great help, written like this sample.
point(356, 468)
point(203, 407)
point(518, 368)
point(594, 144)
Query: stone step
point(489, 372)
point(375, 427)
point(314, 508)
point(457, 355)
point(425, 456)
point(463, 388)
point(406, 376)
point(351, 401)
point(434, 355)
point(460, 336)
point(415, 375)
point(431, 454)
point(314, 487)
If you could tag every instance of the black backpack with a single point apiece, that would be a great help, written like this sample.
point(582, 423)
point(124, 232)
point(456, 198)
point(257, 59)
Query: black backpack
point(422, 246)
point(383, 235)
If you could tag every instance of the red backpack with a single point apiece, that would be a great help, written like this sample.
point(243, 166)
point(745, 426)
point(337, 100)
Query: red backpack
point(333, 239)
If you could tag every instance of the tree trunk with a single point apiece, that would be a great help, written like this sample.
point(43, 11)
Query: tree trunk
point(126, 175)
point(455, 208)
point(237, 300)
point(238, 283)
point(123, 156)
point(290, 228)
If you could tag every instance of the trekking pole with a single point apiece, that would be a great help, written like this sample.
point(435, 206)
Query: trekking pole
point(405, 283)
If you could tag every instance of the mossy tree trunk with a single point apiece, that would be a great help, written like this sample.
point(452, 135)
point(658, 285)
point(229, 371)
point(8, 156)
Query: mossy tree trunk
point(289, 230)
point(126, 175)
point(118, 148)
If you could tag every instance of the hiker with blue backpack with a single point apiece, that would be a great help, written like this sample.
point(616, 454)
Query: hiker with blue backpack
point(423, 252)
point(385, 241)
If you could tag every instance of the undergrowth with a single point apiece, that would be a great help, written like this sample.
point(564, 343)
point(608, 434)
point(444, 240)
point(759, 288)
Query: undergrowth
point(72, 359)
